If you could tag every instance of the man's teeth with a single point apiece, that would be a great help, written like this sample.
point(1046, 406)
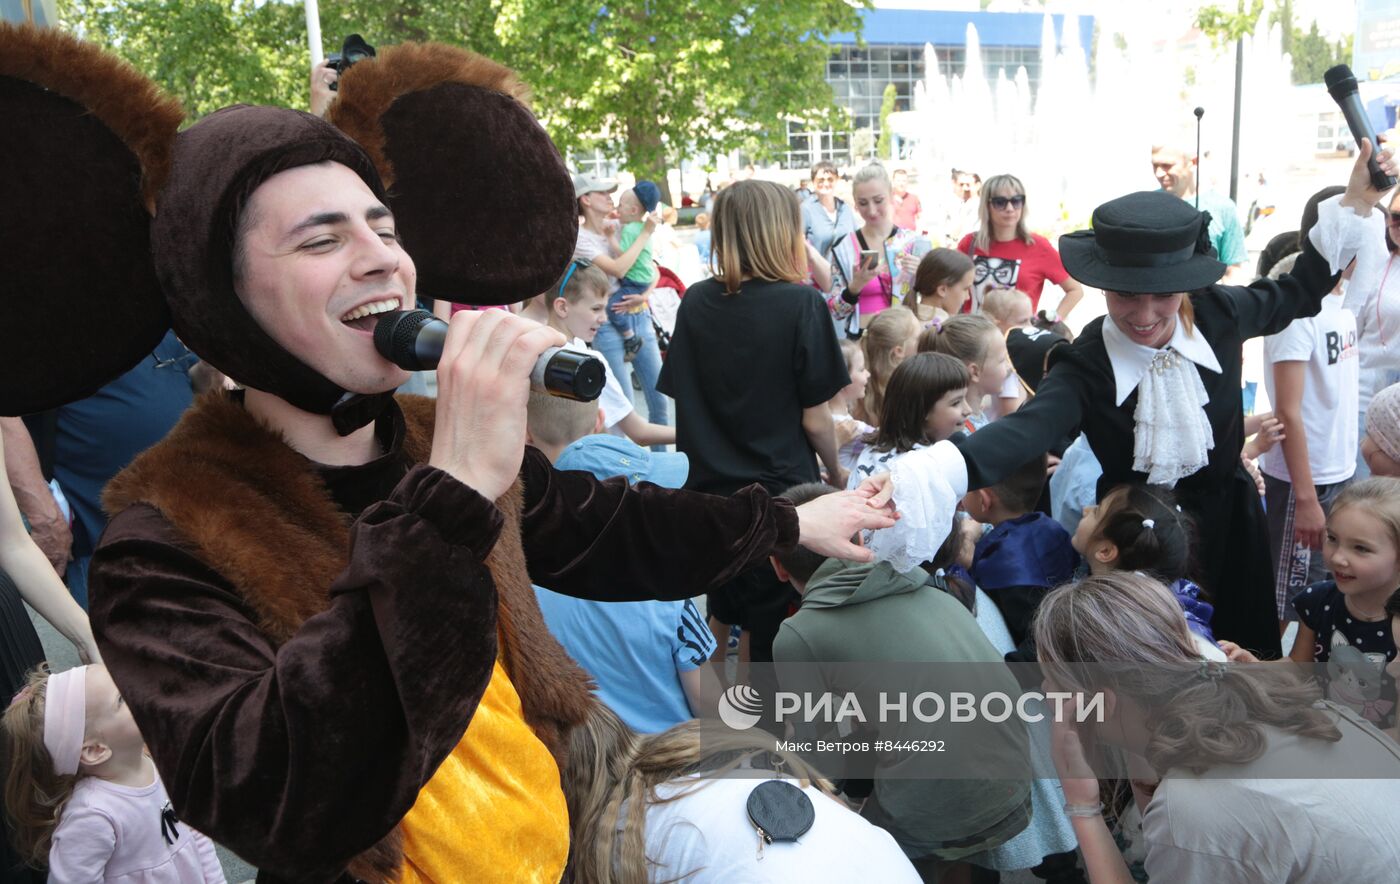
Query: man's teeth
point(371, 309)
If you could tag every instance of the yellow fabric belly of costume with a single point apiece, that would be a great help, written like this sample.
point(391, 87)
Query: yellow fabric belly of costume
point(494, 810)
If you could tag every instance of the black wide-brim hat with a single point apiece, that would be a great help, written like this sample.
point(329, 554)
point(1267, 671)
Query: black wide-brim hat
point(1150, 242)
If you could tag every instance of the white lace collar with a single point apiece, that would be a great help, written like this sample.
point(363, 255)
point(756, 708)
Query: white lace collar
point(1131, 360)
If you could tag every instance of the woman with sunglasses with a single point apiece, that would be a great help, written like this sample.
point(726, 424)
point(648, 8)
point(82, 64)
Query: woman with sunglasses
point(1008, 255)
point(1373, 296)
point(1155, 388)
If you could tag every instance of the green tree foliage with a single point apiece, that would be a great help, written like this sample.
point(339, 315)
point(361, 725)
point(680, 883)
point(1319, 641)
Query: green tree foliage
point(653, 81)
point(1225, 27)
point(207, 53)
point(884, 149)
point(1313, 54)
point(645, 80)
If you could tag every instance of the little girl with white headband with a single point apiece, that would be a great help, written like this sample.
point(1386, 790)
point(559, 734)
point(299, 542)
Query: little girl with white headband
point(84, 796)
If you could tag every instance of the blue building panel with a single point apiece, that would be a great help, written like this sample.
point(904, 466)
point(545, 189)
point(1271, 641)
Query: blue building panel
point(945, 28)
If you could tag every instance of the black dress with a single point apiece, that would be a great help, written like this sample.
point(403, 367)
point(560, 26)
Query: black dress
point(20, 652)
point(1232, 551)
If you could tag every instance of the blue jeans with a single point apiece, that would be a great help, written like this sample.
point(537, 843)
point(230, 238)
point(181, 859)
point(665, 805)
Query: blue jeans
point(648, 366)
point(628, 322)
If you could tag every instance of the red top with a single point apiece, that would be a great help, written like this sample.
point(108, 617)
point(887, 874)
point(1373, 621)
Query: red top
point(906, 211)
point(1013, 263)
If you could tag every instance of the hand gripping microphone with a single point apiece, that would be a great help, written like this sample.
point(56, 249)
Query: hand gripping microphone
point(413, 339)
point(1341, 85)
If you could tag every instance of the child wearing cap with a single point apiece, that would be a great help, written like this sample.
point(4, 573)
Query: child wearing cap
point(1380, 446)
point(632, 207)
point(648, 658)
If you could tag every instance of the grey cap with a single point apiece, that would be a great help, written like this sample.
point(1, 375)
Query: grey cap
point(584, 184)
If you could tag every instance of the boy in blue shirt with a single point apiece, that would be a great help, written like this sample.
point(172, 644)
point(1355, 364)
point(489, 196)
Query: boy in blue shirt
point(648, 658)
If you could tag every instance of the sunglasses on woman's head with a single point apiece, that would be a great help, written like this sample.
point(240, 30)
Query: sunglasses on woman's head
point(1003, 202)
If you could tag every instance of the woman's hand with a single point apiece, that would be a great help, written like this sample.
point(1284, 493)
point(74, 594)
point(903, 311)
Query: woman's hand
point(1077, 778)
point(628, 303)
point(828, 524)
point(861, 277)
point(1361, 194)
point(909, 264)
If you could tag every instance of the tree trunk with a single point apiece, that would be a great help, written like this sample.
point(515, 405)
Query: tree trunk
point(646, 156)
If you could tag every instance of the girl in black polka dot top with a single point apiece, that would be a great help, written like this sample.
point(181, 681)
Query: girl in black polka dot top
point(1343, 622)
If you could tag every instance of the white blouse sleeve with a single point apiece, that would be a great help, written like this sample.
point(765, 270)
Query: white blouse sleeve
point(928, 485)
point(1340, 233)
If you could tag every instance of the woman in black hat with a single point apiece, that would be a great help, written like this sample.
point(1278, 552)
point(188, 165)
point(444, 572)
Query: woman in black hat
point(1155, 385)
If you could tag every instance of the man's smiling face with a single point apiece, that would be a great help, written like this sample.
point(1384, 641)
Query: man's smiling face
point(318, 258)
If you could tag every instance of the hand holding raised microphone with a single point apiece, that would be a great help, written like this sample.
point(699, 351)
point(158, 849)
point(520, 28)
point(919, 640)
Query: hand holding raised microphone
point(1362, 192)
point(483, 381)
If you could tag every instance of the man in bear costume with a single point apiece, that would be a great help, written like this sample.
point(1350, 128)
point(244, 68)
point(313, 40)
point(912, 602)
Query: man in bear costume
point(314, 596)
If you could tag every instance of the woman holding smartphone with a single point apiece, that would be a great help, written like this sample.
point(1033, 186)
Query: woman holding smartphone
point(872, 268)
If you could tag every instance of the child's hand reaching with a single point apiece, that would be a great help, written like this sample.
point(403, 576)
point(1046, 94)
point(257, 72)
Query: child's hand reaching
point(1236, 654)
point(1270, 434)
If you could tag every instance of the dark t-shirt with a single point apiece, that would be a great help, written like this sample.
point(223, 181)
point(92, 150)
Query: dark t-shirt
point(741, 369)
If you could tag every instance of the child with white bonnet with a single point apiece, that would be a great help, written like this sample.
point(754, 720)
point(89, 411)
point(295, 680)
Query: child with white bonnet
point(1380, 446)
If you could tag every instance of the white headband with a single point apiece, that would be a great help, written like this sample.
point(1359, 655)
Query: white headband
point(65, 718)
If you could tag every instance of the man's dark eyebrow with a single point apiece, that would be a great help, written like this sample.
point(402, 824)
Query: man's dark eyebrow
point(320, 219)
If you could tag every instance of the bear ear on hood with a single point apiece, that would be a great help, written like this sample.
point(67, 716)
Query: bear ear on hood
point(86, 145)
point(480, 195)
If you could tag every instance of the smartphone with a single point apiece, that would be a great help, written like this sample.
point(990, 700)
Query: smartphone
point(869, 259)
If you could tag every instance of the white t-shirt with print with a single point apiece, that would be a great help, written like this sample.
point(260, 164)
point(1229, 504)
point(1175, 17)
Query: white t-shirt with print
point(705, 837)
point(615, 403)
point(1327, 343)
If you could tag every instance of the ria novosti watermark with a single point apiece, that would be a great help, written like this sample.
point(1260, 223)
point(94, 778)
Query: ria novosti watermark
point(741, 707)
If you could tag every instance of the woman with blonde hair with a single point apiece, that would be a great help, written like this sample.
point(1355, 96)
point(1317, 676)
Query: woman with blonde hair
point(872, 267)
point(1241, 773)
point(1008, 255)
point(672, 806)
point(752, 367)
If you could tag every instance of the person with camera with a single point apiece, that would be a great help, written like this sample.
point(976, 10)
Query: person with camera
point(314, 596)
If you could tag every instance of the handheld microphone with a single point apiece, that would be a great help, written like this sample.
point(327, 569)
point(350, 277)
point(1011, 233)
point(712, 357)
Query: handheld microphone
point(1341, 85)
point(413, 339)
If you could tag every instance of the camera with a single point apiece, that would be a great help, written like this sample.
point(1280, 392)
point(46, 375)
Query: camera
point(353, 49)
